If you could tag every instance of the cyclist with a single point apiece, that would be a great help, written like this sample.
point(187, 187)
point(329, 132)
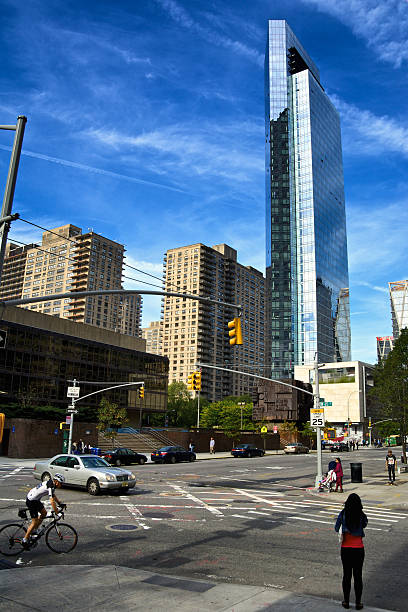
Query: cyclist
point(35, 505)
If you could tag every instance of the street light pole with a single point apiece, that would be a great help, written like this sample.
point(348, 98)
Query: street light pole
point(242, 405)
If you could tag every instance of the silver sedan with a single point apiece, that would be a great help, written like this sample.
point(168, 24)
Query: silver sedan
point(86, 471)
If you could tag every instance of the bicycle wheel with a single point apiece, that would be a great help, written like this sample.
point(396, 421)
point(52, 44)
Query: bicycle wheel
point(11, 537)
point(61, 538)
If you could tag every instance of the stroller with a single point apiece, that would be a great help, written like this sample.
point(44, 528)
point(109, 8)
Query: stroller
point(328, 481)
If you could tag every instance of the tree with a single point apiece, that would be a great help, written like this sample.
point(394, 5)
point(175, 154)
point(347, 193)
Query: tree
point(391, 386)
point(226, 415)
point(181, 408)
point(110, 418)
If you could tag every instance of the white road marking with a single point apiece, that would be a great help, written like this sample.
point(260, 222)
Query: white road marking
point(197, 500)
point(13, 473)
point(137, 515)
point(256, 512)
point(244, 516)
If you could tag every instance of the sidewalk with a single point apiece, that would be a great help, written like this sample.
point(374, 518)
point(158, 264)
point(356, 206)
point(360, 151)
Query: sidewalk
point(88, 588)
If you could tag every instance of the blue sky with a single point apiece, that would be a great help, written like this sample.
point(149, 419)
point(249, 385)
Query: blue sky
point(146, 123)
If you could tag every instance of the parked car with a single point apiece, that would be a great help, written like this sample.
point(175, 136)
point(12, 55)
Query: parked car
point(339, 447)
point(171, 454)
point(124, 456)
point(247, 450)
point(295, 448)
point(85, 471)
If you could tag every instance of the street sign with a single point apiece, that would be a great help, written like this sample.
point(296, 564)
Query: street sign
point(73, 392)
point(264, 429)
point(72, 411)
point(326, 403)
point(321, 399)
point(68, 419)
point(275, 429)
point(3, 338)
point(317, 417)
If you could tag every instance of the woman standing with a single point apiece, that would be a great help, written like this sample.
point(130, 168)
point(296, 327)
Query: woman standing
point(338, 469)
point(352, 521)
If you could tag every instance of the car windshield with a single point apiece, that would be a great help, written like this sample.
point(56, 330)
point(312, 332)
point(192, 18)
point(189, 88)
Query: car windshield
point(242, 446)
point(94, 462)
point(166, 448)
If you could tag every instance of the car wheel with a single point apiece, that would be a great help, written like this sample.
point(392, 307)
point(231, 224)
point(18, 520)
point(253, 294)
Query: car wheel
point(93, 487)
point(191, 458)
point(118, 462)
point(172, 459)
point(142, 461)
point(45, 476)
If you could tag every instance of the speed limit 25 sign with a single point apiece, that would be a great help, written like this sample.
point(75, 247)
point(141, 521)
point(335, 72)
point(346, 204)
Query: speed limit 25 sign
point(317, 417)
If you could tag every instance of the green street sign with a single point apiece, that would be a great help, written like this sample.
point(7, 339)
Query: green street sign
point(327, 403)
point(321, 400)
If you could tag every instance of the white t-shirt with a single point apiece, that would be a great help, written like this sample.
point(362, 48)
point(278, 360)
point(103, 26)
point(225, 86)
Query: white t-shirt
point(44, 488)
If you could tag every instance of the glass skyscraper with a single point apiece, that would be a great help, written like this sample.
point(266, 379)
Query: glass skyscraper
point(307, 298)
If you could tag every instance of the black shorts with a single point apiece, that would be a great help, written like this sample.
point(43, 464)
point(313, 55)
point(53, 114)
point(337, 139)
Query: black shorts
point(34, 506)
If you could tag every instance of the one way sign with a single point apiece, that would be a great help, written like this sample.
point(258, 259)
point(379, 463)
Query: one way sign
point(3, 338)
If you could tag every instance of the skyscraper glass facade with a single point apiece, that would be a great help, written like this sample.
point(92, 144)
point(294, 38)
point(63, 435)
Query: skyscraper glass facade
point(307, 300)
point(399, 306)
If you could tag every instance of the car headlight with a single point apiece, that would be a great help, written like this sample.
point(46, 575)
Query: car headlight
point(110, 477)
point(132, 476)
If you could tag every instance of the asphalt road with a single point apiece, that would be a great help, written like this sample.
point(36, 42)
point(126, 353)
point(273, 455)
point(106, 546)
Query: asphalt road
point(244, 521)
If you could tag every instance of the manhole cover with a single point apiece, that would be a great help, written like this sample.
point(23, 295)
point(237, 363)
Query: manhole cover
point(121, 527)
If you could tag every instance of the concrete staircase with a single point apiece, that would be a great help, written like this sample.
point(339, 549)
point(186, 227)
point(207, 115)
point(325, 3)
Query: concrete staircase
point(144, 441)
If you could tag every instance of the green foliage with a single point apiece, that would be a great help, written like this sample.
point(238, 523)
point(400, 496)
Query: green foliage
point(110, 418)
point(226, 415)
point(288, 427)
point(309, 431)
point(391, 384)
point(181, 407)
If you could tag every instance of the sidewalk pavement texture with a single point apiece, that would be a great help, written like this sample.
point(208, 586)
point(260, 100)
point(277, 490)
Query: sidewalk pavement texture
point(88, 588)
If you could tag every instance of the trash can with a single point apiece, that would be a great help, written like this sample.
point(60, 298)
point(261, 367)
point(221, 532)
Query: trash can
point(356, 472)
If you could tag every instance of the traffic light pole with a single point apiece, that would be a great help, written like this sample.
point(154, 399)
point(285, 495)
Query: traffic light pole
point(198, 409)
point(6, 215)
point(315, 395)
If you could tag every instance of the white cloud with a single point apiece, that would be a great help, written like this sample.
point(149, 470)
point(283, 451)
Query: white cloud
point(180, 15)
point(383, 24)
point(370, 134)
point(208, 149)
point(377, 242)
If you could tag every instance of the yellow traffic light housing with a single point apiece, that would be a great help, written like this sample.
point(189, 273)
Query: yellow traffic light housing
point(141, 393)
point(235, 332)
point(194, 381)
point(64, 426)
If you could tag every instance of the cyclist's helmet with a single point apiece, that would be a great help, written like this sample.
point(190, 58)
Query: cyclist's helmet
point(59, 477)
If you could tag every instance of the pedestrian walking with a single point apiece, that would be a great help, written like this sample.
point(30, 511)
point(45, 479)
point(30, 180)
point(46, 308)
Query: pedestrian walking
point(350, 525)
point(191, 446)
point(338, 470)
point(391, 464)
point(212, 446)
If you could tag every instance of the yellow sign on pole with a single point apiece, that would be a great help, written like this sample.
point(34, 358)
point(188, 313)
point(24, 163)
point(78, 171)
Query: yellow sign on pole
point(264, 429)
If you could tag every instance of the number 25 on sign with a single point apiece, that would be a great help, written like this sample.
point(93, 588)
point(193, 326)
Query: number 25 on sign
point(317, 417)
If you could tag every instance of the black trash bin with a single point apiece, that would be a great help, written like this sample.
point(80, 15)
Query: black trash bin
point(356, 472)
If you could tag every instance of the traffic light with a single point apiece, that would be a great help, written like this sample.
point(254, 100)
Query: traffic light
point(235, 332)
point(194, 381)
point(2, 419)
point(369, 421)
point(141, 393)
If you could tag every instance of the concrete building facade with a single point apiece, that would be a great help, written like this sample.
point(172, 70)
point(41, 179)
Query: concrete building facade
point(194, 332)
point(153, 337)
point(346, 386)
point(67, 261)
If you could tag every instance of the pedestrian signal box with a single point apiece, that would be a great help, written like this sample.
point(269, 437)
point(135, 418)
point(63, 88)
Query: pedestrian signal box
point(64, 426)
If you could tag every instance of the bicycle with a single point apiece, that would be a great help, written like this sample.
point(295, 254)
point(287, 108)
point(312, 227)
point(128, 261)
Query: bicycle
point(59, 537)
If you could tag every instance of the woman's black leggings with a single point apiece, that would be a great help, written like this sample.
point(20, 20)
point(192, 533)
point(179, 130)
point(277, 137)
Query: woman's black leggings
point(352, 559)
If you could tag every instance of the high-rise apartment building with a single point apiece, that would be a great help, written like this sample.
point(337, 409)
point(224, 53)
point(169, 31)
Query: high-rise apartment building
point(195, 332)
point(399, 306)
point(307, 302)
point(152, 335)
point(68, 260)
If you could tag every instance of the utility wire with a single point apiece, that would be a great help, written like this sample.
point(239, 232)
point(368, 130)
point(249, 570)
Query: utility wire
point(70, 259)
point(76, 242)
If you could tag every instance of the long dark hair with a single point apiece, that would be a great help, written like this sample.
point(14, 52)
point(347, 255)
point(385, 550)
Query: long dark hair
point(353, 511)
